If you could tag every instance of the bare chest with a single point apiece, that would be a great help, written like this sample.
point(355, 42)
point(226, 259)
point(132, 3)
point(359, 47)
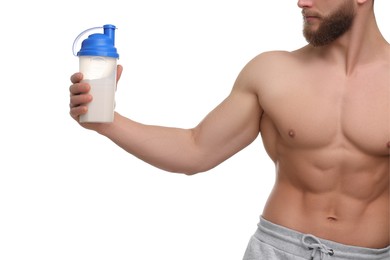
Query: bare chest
point(319, 111)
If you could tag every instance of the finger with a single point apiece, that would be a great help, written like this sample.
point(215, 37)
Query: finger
point(78, 100)
point(119, 72)
point(76, 112)
point(76, 77)
point(79, 88)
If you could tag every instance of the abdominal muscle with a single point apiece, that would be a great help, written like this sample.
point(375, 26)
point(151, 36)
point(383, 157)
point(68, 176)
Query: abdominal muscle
point(348, 203)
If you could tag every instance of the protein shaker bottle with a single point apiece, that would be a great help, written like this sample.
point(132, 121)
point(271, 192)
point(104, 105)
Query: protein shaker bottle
point(98, 63)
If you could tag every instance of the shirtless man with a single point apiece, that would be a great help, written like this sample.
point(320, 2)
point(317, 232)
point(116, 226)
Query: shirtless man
point(323, 113)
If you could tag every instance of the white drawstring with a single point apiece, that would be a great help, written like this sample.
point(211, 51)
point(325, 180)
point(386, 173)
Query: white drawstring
point(316, 245)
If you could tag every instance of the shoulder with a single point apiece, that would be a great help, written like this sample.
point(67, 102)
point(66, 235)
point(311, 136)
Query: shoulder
point(275, 61)
point(270, 65)
point(387, 53)
point(276, 57)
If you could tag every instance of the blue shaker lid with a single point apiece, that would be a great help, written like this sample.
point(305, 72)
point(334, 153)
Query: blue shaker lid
point(99, 44)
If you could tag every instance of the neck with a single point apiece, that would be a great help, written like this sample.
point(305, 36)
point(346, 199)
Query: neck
point(362, 44)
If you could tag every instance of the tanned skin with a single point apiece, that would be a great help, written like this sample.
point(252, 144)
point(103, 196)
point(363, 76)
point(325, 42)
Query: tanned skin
point(323, 113)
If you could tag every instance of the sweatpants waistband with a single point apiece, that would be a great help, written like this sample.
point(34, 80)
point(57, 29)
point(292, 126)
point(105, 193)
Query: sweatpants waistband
point(293, 242)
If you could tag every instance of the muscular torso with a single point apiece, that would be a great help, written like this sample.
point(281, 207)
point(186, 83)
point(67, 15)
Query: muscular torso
point(328, 134)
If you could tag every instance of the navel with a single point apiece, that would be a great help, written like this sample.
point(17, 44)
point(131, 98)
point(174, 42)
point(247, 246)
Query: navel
point(332, 219)
point(291, 133)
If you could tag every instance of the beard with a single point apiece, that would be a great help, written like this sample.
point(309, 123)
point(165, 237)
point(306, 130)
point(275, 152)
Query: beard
point(331, 26)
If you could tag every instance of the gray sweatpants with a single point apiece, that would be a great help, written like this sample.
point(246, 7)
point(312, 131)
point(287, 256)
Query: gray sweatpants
point(274, 242)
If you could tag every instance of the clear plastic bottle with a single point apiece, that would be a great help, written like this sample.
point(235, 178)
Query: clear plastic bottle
point(98, 63)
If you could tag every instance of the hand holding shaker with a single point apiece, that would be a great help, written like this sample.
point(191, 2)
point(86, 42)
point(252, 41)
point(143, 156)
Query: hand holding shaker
point(98, 63)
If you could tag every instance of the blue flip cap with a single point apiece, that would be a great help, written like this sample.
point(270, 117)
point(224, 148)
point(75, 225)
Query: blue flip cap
point(99, 44)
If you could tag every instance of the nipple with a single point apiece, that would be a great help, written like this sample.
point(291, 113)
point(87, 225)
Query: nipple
point(388, 144)
point(291, 133)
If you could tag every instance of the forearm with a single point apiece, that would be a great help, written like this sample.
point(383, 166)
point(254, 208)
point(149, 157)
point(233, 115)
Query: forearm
point(170, 149)
point(227, 129)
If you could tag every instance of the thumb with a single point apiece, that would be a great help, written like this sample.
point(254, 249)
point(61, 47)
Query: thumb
point(118, 72)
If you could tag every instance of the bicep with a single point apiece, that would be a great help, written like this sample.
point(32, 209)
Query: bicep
point(230, 127)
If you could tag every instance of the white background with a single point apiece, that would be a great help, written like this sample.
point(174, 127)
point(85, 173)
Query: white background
point(69, 193)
